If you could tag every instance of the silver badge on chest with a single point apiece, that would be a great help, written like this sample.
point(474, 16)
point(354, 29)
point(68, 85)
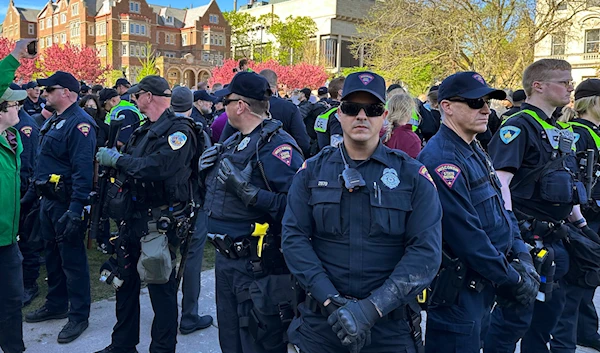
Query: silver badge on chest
point(243, 144)
point(60, 124)
point(390, 178)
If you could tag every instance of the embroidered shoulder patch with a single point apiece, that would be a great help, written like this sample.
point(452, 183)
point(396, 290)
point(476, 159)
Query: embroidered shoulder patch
point(283, 153)
point(424, 172)
point(577, 137)
point(26, 130)
point(509, 133)
point(177, 140)
point(84, 128)
point(449, 173)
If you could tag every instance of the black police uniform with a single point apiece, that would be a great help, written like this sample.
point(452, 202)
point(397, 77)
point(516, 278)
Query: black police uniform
point(478, 231)
point(203, 119)
point(333, 134)
point(522, 147)
point(156, 168)
point(66, 148)
point(32, 107)
point(273, 149)
point(382, 241)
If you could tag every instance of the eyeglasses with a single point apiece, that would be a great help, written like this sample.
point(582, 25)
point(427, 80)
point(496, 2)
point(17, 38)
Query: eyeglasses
point(137, 95)
point(371, 110)
point(8, 105)
point(52, 88)
point(472, 103)
point(226, 101)
point(567, 83)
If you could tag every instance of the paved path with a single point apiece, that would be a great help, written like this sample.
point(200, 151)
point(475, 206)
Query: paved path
point(41, 337)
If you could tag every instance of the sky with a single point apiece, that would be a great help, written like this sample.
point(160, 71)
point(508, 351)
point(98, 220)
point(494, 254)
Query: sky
point(224, 5)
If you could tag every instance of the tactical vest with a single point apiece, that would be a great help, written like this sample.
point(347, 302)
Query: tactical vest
point(123, 105)
point(323, 119)
point(595, 193)
point(591, 131)
point(415, 121)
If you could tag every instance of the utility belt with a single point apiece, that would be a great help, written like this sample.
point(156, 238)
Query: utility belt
point(53, 188)
point(177, 217)
point(316, 307)
point(533, 230)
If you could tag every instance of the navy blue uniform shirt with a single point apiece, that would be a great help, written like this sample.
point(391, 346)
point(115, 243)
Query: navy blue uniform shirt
point(383, 239)
point(475, 226)
point(29, 131)
point(583, 142)
point(34, 108)
point(67, 146)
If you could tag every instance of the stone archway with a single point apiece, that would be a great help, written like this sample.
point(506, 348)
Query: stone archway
point(203, 76)
point(189, 78)
point(174, 76)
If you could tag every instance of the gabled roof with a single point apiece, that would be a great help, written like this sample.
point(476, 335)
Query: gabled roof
point(93, 6)
point(29, 15)
point(192, 15)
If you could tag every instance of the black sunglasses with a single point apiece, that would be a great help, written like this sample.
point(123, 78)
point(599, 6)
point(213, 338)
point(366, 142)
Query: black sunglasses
point(371, 110)
point(137, 95)
point(472, 103)
point(226, 101)
point(52, 88)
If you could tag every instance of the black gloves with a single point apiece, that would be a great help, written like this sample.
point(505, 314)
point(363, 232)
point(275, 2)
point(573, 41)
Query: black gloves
point(524, 292)
point(352, 321)
point(590, 234)
point(209, 157)
point(71, 223)
point(238, 182)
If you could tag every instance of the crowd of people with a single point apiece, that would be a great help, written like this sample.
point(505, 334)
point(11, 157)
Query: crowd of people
point(337, 218)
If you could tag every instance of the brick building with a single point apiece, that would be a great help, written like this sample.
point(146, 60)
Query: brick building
point(19, 22)
point(187, 42)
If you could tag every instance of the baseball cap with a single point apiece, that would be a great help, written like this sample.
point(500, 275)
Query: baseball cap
point(434, 88)
point(106, 94)
point(306, 92)
point(30, 84)
point(11, 95)
point(156, 85)
point(15, 87)
point(588, 88)
point(394, 86)
point(85, 88)
point(60, 78)
point(122, 82)
point(322, 90)
point(247, 84)
point(518, 95)
point(203, 95)
point(469, 85)
point(364, 82)
point(182, 99)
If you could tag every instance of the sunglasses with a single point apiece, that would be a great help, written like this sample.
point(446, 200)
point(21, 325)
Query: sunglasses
point(52, 88)
point(472, 103)
point(226, 101)
point(371, 110)
point(137, 95)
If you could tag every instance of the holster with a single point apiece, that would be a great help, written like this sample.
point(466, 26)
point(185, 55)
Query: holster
point(449, 281)
point(53, 191)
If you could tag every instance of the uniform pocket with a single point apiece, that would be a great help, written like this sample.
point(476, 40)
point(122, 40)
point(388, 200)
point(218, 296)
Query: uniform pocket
point(389, 211)
point(486, 201)
point(326, 211)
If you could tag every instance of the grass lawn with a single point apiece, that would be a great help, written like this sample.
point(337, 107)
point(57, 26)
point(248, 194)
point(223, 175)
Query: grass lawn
point(100, 290)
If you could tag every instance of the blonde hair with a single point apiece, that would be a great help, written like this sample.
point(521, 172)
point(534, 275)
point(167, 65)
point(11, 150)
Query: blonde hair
point(589, 105)
point(400, 109)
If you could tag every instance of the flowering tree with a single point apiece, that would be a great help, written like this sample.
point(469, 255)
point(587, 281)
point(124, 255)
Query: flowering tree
point(81, 62)
point(294, 76)
point(28, 66)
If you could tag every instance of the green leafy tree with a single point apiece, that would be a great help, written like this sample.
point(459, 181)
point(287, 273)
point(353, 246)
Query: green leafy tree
point(148, 63)
point(241, 23)
point(293, 36)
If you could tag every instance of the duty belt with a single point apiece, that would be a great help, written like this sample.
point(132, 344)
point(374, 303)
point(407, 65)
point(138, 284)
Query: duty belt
point(232, 249)
point(316, 307)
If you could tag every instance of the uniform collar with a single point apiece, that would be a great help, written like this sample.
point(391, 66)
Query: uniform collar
point(588, 124)
point(539, 112)
point(69, 110)
point(163, 124)
point(460, 144)
point(381, 154)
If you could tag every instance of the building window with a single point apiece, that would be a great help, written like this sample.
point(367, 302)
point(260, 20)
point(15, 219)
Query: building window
point(206, 35)
point(42, 43)
point(63, 38)
point(221, 40)
point(75, 9)
point(143, 28)
point(55, 21)
point(31, 28)
point(592, 41)
point(124, 50)
point(131, 28)
point(558, 44)
point(157, 38)
point(212, 40)
point(63, 18)
point(48, 41)
point(91, 30)
point(213, 18)
point(169, 20)
point(134, 6)
point(137, 29)
point(592, 3)
point(143, 52)
point(205, 56)
point(42, 24)
point(101, 29)
point(123, 27)
point(184, 39)
point(55, 39)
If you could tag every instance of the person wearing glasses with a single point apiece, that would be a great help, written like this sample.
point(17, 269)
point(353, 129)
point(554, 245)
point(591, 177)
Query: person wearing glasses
point(533, 154)
point(477, 231)
point(361, 235)
point(157, 179)
point(63, 177)
point(247, 180)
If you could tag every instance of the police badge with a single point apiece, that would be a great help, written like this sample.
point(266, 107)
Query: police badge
point(390, 178)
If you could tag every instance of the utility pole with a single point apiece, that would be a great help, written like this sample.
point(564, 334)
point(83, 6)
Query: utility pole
point(234, 5)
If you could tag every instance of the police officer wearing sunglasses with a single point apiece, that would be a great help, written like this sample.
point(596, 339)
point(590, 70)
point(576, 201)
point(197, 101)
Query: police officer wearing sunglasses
point(361, 234)
point(477, 231)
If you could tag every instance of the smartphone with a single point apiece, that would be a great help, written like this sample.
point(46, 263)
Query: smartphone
point(32, 48)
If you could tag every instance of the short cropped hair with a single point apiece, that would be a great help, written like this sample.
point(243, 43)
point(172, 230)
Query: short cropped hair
point(540, 71)
point(335, 85)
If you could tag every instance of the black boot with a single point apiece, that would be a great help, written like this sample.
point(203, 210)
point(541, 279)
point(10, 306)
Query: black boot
point(43, 314)
point(71, 331)
point(30, 293)
point(113, 349)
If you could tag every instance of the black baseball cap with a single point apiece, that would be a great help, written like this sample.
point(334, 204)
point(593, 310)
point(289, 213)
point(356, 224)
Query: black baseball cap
point(393, 86)
point(106, 94)
point(30, 84)
point(247, 84)
point(203, 95)
point(85, 88)
point(322, 90)
point(469, 85)
point(62, 79)
point(519, 96)
point(122, 82)
point(434, 88)
point(364, 82)
point(306, 92)
point(588, 88)
point(156, 85)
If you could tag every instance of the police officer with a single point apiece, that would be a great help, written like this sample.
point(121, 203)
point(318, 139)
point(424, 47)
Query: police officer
point(122, 86)
point(518, 97)
point(477, 231)
point(118, 108)
point(202, 111)
point(63, 178)
point(327, 126)
point(361, 234)
point(579, 321)
point(156, 168)
point(246, 185)
point(534, 158)
point(33, 103)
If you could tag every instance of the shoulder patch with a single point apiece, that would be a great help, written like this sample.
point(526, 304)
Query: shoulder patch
point(302, 167)
point(425, 173)
point(577, 137)
point(26, 130)
point(509, 133)
point(177, 140)
point(284, 153)
point(84, 128)
point(449, 173)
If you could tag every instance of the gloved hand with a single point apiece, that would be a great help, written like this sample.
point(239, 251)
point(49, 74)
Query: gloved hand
point(352, 322)
point(590, 234)
point(108, 156)
point(209, 157)
point(526, 290)
point(71, 222)
point(527, 262)
point(238, 182)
